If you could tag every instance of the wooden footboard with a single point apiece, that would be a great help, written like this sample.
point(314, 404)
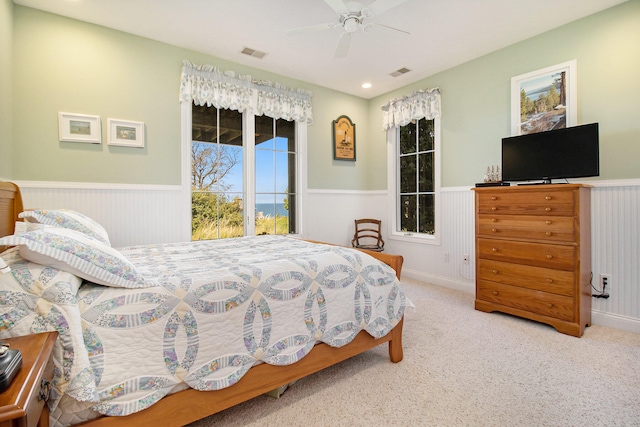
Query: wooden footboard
point(191, 405)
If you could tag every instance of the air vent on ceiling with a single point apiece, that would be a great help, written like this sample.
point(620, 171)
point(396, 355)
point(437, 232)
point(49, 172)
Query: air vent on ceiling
point(400, 72)
point(253, 52)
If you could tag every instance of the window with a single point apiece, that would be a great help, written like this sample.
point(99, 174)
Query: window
point(414, 165)
point(240, 185)
point(275, 154)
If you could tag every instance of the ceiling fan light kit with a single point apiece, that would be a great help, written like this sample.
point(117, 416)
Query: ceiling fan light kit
point(352, 20)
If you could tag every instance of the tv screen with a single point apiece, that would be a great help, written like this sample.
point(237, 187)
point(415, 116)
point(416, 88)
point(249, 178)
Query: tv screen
point(556, 154)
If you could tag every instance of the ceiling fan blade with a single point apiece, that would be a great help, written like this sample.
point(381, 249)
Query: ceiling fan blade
point(338, 6)
point(343, 45)
point(388, 28)
point(311, 28)
point(380, 6)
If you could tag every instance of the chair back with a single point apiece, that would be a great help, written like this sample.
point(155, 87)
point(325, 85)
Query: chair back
point(368, 235)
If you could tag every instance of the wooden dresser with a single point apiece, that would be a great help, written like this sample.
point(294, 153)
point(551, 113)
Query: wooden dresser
point(533, 253)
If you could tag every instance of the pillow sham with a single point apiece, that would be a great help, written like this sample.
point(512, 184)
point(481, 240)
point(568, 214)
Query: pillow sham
point(76, 253)
point(70, 219)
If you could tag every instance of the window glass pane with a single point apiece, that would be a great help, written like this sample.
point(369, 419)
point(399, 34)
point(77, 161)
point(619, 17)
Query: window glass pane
point(265, 172)
point(408, 139)
point(283, 171)
point(264, 133)
point(425, 135)
point(408, 217)
point(427, 217)
point(408, 174)
point(425, 175)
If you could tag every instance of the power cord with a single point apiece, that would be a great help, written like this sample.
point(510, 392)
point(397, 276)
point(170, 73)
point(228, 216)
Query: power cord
point(601, 293)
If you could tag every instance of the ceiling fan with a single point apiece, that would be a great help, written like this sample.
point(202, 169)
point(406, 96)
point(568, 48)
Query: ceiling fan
point(352, 18)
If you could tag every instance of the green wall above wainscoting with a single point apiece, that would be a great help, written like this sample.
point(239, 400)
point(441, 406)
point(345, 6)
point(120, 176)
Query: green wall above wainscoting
point(61, 64)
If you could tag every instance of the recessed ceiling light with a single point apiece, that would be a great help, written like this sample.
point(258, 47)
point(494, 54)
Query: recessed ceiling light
point(366, 85)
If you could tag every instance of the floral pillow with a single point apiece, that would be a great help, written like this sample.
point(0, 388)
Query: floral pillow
point(66, 218)
point(76, 253)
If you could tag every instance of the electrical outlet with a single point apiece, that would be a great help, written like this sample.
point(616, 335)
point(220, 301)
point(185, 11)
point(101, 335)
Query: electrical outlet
point(605, 282)
point(465, 258)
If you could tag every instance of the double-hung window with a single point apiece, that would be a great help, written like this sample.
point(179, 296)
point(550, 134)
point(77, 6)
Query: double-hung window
point(414, 167)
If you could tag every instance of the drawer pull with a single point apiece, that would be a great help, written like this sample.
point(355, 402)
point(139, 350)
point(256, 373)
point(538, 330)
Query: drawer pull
point(494, 249)
point(493, 208)
point(45, 389)
point(495, 293)
point(547, 209)
point(494, 198)
point(494, 271)
point(549, 256)
point(549, 280)
point(494, 230)
point(548, 222)
point(548, 233)
point(494, 220)
point(549, 305)
point(547, 197)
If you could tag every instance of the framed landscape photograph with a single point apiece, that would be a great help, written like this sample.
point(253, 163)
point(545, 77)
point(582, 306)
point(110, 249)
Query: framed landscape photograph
point(344, 139)
point(79, 128)
point(544, 100)
point(126, 133)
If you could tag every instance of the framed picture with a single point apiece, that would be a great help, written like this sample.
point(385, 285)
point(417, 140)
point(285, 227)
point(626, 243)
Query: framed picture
point(79, 128)
point(545, 99)
point(344, 139)
point(126, 133)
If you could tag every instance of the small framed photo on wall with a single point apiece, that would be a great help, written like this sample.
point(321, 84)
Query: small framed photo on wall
point(126, 133)
point(79, 128)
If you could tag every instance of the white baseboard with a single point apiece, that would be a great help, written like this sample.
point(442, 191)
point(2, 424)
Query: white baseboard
point(615, 321)
point(445, 282)
point(600, 318)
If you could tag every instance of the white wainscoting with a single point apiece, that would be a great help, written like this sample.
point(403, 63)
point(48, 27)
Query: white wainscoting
point(131, 214)
point(140, 214)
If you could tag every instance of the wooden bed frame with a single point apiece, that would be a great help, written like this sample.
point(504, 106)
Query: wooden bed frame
point(190, 405)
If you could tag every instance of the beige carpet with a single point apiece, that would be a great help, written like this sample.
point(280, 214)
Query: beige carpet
point(463, 367)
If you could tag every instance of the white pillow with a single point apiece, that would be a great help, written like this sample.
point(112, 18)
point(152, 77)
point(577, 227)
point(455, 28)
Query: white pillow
point(76, 253)
point(67, 218)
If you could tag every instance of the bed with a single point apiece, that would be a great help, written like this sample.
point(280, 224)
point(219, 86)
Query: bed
point(172, 333)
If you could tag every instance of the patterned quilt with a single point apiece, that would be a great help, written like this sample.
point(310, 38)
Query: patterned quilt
point(218, 308)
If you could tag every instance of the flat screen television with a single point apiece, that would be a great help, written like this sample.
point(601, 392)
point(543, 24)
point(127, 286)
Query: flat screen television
point(571, 152)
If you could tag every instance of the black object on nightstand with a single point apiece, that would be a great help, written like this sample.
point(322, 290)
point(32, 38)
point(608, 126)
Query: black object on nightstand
point(10, 364)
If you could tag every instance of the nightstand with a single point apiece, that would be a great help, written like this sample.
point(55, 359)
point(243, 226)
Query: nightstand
point(22, 404)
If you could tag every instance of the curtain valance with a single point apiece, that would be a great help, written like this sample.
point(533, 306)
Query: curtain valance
point(207, 85)
point(417, 105)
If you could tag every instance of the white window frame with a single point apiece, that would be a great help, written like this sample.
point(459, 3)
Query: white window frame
point(393, 136)
point(249, 188)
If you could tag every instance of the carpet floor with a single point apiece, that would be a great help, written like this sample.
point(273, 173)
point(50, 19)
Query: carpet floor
point(463, 367)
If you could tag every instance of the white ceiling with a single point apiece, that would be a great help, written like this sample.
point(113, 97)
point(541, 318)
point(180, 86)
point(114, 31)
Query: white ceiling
point(443, 33)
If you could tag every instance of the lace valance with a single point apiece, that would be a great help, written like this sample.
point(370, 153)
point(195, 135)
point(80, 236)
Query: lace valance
point(206, 85)
point(417, 105)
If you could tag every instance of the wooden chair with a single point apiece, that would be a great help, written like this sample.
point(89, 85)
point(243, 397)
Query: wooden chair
point(368, 235)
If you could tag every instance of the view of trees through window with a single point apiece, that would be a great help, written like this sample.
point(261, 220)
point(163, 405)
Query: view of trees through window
point(218, 175)
point(416, 179)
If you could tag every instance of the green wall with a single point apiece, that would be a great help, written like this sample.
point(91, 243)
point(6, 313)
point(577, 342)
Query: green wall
point(476, 101)
point(6, 53)
point(60, 64)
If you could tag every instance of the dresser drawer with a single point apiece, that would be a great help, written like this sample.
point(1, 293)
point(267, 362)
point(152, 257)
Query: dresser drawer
point(552, 305)
point(559, 282)
point(543, 228)
point(536, 254)
point(548, 202)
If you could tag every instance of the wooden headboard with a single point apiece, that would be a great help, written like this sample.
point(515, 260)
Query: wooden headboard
point(10, 207)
